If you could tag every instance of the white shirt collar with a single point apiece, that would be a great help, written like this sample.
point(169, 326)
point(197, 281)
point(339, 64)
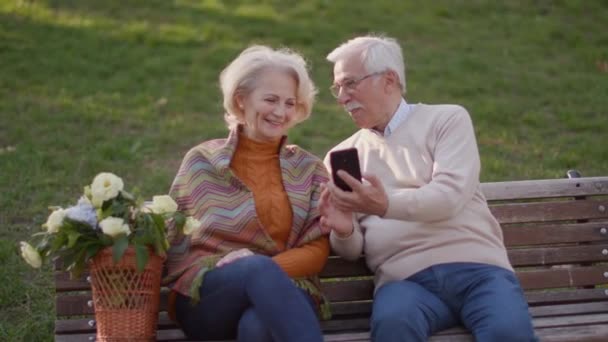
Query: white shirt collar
point(399, 117)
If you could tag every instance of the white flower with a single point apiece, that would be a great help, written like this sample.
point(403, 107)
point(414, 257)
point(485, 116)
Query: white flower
point(55, 220)
point(163, 205)
point(114, 226)
point(31, 255)
point(190, 225)
point(105, 186)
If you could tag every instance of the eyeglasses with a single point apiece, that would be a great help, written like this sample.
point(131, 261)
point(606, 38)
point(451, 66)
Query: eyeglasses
point(350, 85)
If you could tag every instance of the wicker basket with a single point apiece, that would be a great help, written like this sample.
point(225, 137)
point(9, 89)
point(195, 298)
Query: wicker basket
point(126, 301)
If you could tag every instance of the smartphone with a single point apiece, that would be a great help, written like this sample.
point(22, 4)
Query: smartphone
point(347, 160)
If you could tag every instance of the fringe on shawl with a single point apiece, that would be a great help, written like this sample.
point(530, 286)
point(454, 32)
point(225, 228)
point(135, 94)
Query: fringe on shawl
point(312, 286)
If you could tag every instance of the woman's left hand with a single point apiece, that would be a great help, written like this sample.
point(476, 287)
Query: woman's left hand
point(233, 256)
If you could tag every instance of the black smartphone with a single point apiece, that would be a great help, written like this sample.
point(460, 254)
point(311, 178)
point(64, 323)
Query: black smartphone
point(347, 160)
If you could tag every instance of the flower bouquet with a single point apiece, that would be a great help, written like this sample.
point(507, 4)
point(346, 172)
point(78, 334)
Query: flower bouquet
point(122, 241)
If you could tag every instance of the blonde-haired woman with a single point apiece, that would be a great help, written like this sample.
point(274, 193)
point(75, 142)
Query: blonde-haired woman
point(249, 271)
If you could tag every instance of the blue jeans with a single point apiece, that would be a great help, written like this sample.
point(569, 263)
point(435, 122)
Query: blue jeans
point(250, 299)
point(487, 300)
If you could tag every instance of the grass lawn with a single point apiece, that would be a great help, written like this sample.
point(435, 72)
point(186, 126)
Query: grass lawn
point(128, 86)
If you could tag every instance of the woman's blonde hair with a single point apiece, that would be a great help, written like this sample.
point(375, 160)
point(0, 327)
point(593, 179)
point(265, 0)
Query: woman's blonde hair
point(239, 79)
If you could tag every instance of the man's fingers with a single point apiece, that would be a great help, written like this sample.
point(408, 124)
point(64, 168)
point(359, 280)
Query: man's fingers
point(350, 180)
point(373, 180)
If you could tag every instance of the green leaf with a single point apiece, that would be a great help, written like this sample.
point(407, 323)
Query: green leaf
point(179, 219)
point(106, 240)
point(141, 257)
point(92, 250)
point(120, 246)
point(79, 265)
point(128, 196)
point(59, 241)
point(72, 238)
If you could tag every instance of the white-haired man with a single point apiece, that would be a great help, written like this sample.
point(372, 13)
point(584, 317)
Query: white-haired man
point(419, 216)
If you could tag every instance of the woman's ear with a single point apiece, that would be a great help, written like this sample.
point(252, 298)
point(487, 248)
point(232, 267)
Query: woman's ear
point(239, 101)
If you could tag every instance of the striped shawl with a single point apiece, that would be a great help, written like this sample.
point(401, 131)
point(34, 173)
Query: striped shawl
point(206, 188)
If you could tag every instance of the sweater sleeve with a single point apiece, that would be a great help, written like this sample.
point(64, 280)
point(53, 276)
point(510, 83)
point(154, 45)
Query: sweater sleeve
point(455, 175)
point(306, 260)
point(351, 247)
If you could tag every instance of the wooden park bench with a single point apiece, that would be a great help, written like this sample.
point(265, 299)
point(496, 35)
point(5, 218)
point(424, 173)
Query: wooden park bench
point(556, 232)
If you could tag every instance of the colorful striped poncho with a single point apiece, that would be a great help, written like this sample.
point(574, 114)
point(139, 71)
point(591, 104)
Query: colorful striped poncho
point(206, 188)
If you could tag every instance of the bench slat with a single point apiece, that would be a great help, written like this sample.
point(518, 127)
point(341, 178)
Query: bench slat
point(365, 308)
point(337, 267)
point(574, 276)
point(550, 211)
point(342, 292)
point(587, 333)
point(558, 255)
point(529, 189)
point(545, 234)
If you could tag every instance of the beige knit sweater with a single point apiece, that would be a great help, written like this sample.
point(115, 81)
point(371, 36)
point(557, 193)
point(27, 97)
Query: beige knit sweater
point(437, 214)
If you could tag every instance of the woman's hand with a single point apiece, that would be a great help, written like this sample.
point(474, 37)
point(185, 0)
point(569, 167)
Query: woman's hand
point(332, 217)
point(233, 256)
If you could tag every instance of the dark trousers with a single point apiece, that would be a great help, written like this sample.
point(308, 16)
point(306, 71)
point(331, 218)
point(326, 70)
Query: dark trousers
point(250, 299)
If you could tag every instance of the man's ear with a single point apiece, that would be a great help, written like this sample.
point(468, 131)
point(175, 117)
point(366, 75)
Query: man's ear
point(391, 80)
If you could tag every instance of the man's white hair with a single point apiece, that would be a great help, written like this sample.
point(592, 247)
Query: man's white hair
point(377, 53)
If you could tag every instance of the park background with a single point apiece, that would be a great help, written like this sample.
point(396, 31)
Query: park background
point(129, 86)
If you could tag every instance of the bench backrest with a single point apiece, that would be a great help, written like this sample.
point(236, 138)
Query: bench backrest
point(556, 232)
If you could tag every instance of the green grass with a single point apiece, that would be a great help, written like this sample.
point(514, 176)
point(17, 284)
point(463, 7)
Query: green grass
point(83, 86)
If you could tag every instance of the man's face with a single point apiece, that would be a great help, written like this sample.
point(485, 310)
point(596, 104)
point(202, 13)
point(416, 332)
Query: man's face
point(361, 93)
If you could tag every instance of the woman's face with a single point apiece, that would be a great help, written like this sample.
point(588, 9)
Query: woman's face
point(270, 109)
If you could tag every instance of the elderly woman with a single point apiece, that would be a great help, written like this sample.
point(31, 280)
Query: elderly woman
point(249, 271)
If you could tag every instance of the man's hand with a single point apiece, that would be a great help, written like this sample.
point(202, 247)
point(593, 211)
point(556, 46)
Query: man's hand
point(331, 217)
point(233, 256)
point(368, 198)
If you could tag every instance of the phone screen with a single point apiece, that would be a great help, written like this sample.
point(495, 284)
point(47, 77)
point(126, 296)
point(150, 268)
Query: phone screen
point(347, 160)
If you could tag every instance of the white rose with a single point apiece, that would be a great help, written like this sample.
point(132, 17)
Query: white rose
point(163, 205)
point(114, 226)
point(105, 186)
point(190, 225)
point(55, 220)
point(31, 255)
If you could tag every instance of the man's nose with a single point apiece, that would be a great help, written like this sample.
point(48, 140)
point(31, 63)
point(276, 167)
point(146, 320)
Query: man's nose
point(343, 96)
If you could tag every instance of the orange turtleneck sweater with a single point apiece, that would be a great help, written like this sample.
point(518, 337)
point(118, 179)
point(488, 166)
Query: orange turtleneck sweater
point(257, 165)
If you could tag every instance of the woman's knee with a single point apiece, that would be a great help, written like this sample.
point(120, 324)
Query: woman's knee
point(257, 265)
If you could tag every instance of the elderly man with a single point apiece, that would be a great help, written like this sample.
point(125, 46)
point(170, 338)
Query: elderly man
point(419, 215)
